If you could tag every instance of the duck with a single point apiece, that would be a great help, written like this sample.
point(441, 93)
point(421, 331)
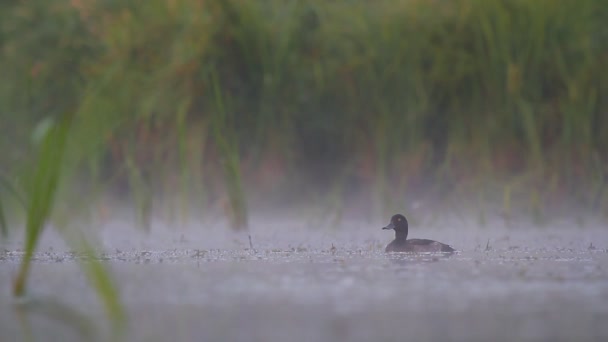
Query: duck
point(401, 244)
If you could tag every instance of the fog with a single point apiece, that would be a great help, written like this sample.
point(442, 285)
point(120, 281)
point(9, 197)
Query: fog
point(302, 279)
point(221, 170)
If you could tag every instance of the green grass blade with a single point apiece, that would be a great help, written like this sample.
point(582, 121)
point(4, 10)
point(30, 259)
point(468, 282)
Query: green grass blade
point(228, 148)
point(42, 188)
point(99, 277)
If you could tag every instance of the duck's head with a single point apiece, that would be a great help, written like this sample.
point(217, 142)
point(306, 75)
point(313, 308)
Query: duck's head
point(398, 223)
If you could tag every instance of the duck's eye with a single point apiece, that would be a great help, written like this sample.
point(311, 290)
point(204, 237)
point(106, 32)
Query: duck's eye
point(399, 219)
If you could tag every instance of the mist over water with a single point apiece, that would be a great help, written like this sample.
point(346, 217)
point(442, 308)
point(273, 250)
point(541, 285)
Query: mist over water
point(308, 280)
point(289, 132)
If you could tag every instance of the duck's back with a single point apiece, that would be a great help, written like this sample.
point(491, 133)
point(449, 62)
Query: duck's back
point(418, 245)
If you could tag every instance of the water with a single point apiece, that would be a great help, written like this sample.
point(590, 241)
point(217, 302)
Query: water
point(302, 284)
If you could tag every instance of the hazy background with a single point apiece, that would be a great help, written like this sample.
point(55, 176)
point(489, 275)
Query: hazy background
point(208, 109)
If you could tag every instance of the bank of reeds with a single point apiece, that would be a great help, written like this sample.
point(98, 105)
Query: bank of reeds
point(500, 101)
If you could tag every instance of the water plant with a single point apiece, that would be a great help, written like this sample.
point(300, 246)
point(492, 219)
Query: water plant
point(40, 181)
point(455, 98)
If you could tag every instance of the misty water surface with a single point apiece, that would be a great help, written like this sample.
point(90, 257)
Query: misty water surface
point(303, 282)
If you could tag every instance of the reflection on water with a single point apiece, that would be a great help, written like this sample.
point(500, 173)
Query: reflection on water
point(70, 318)
point(338, 286)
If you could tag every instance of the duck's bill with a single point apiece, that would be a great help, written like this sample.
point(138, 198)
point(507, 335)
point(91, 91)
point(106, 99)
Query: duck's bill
point(390, 226)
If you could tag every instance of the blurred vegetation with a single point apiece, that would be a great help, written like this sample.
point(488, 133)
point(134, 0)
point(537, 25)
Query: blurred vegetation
point(35, 189)
point(197, 104)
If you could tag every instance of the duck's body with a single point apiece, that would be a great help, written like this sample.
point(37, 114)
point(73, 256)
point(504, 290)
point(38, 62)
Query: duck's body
point(401, 244)
point(418, 246)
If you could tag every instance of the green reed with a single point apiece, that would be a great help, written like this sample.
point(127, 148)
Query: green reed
point(40, 190)
point(228, 152)
point(39, 183)
point(387, 95)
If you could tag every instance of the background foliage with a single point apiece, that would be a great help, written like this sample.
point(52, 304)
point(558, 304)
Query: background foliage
point(204, 103)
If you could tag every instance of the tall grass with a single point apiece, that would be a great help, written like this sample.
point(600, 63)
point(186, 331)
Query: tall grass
point(227, 146)
point(387, 98)
point(40, 189)
point(39, 182)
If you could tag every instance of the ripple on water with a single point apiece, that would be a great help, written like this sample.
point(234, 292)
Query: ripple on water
point(344, 291)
